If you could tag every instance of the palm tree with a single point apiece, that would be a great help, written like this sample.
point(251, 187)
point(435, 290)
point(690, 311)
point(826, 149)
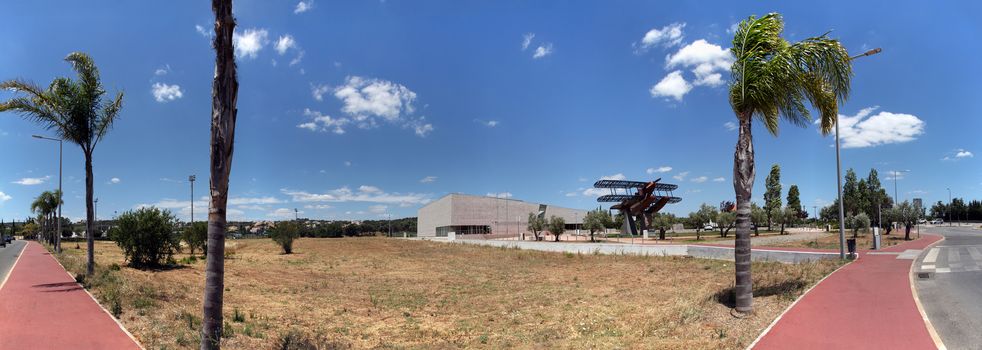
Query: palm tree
point(77, 111)
point(224, 92)
point(42, 207)
point(772, 80)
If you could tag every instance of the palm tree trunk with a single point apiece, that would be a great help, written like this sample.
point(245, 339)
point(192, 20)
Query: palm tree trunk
point(743, 184)
point(223, 112)
point(89, 215)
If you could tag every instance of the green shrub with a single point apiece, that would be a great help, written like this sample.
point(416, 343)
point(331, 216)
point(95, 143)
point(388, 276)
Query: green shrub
point(146, 236)
point(238, 316)
point(284, 233)
point(196, 237)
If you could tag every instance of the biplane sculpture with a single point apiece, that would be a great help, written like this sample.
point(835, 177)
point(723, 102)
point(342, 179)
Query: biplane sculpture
point(638, 201)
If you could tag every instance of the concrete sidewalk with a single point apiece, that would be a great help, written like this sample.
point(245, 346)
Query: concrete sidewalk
point(867, 304)
point(41, 307)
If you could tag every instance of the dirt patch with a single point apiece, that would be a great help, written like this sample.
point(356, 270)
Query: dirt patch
point(391, 293)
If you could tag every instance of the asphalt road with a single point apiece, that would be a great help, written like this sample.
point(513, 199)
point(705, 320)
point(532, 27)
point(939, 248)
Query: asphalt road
point(8, 255)
point(952, 289)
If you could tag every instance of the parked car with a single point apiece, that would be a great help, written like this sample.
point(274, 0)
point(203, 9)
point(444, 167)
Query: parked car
point(708, 227)
point(921, 221)
point(937, 222)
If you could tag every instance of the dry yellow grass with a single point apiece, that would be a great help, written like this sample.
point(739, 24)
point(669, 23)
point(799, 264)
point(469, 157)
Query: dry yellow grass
point(863, 240)
point(390, 293)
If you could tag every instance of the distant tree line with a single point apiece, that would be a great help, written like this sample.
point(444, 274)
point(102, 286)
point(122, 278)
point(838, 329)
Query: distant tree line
point(353, 229)
point(958, 210)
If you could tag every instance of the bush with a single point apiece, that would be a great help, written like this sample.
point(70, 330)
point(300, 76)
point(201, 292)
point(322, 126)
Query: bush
point(284, 233)
point(146, 236)
point(196, 236)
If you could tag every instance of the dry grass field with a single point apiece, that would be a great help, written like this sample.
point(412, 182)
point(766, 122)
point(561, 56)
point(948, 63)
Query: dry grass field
point(864, 241)
point(401, 294)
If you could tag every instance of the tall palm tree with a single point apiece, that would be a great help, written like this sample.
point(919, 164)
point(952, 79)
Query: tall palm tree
point(772, 80)
point(75, 109)
point(42, 207)
point(224, 92)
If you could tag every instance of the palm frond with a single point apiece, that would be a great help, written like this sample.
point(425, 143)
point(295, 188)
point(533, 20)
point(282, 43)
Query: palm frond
point(109, 113)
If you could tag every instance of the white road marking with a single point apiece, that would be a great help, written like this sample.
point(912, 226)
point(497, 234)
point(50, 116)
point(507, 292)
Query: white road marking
point(953, 255)
point(932, 256)
point(943, 270)
point(927, 267)
point(974, 252)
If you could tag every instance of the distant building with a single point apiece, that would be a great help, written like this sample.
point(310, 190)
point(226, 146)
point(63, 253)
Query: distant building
point(501, 217)
point(918, 203)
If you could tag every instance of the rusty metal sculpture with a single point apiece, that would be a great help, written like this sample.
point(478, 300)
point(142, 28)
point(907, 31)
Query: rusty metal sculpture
point(638, 201)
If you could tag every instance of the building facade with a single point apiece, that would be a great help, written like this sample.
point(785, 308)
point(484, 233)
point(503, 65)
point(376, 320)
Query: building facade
point(501, 217)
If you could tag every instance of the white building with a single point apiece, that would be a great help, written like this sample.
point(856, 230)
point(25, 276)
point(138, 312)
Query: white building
point(501, 217)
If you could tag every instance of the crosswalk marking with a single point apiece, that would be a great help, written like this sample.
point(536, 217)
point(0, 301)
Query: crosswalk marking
point(950, 259)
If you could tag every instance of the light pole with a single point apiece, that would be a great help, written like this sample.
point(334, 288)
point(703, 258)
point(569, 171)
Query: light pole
point(191, 179)
point(948, 209)
point(60, 195)
point(838, 172)
point(896, 173)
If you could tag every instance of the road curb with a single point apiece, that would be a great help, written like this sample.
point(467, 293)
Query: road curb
point(802, 296)
point(5, 278)
point(121, 327)
point(917, 300)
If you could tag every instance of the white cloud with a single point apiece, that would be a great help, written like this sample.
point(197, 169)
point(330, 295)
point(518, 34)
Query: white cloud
point(420, 126)
point(165, 93)
point(963, 153)
point(863, 130)
point(114, 181)
point(719, 179)
point(318, 206)
point(661, 169)
point(344, 194)
point(4, 197)
point(428, 179)
point(618, 176)
point(680, 176)
point(369, 189)
point(304, 6)
point(672, 85)
point(162, 70)
point(284, 213)
point(733, 28)
point(249, 43)
point(285, 43)
point(707, 61)
point(203, 31)
point(667, 36)
point(542, 51)
point(895, 175)
point(378, 209)
point(700, 179)
point(323, 122)
point(297, 60)
point(730, 126)
point(487, 123)
point(527, 40)
point(253, 200)
point(319, 90)
point(31, 181)
point(364, 98)
point(499, 194)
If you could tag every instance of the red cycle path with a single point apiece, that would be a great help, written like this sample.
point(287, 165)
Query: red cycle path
point(41, 307)
point(867, 304)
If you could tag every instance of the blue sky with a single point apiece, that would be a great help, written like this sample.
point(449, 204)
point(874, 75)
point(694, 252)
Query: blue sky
point(361, 109)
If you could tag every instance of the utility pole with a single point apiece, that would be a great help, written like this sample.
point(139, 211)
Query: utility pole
point(191, 180)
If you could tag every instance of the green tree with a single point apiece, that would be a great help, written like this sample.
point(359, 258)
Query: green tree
point(557, 226)
point(224, 92)
point(195, 235)
point(596, 220)
point(146, 236)
point(772, 194)
point(907, 214)
point(772, 78)
point(77, 110)
point(859, 222)
point(850, 193)
point(758, 217)
point(662, 222)
point(284, 233)
point(794, 198)
point(726, 220)
point(536, 224)
point(939, 210)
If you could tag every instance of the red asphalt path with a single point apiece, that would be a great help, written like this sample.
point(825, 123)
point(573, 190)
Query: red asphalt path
point(867, 304)
point(41, 307)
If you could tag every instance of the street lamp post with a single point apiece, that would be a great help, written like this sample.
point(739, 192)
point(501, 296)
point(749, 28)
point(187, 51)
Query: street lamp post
point(896, 173)
point(948, 209)
point(838, 171)
point(191, 179)
point(60, 194)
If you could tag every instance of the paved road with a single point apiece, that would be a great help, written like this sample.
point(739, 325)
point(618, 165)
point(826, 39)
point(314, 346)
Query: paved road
point(952, 291)
point(8, 255)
